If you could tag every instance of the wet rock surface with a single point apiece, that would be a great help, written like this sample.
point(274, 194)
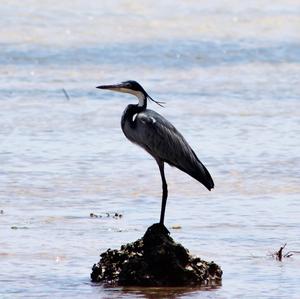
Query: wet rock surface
point(154, 260)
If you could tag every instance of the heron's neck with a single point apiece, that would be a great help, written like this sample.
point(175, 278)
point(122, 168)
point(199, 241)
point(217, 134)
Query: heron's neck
point(142, 99)
point(131, 110)
point(128, 116)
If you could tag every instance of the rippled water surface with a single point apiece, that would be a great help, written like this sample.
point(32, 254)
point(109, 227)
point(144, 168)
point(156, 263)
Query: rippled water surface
point(229, 72)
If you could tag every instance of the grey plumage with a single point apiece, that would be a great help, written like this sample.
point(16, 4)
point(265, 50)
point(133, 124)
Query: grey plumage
point(159, 138)
point(162, 141)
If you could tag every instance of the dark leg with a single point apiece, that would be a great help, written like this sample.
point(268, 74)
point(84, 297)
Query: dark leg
point(164, 193)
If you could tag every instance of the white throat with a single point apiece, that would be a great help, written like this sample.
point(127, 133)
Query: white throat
point(141, 98)
point(138, 94)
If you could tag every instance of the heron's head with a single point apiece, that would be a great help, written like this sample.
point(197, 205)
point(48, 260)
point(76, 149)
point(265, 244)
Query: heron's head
point(131, 87)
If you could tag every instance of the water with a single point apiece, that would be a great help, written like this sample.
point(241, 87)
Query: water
point(229, 73)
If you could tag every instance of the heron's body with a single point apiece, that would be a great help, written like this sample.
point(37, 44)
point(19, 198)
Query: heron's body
point(159, 138)
point(163, 142)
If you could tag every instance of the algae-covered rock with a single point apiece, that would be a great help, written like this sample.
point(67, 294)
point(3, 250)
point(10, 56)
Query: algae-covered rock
point(154, 260)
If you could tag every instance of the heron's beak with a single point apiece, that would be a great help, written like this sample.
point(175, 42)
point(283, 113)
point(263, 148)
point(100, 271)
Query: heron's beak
point(115, 87)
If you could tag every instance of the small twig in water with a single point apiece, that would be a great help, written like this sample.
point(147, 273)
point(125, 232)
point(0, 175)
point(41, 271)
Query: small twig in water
point(66, 94)
point(291, 253)
point(279, 254)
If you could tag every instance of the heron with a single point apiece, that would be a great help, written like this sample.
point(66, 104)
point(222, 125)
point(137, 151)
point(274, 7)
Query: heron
point(159, 138)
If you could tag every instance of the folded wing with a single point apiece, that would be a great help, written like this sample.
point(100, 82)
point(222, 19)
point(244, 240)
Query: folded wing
point(162, 140)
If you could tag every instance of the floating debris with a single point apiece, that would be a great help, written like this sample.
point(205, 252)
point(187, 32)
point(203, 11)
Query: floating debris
point(176, 226)
point(92, 215)
point(19, 227)
point(117, 215)
point(154, 260)
point(1, 212)
point(112, 215)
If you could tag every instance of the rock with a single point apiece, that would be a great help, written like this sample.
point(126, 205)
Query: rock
point(154, 260)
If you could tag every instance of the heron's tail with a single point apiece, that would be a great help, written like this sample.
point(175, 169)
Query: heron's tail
point(199, 172)
point(204, 177)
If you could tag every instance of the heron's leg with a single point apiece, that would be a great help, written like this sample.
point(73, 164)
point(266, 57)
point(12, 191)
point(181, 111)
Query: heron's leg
point(164, 191)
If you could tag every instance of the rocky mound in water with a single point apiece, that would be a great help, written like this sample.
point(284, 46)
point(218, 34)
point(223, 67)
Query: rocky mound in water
point(154, 260)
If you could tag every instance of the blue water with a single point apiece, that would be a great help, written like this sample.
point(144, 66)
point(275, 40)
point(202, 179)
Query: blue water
point(229, 73)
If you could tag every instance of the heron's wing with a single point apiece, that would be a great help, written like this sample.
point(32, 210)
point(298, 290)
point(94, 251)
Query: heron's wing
point(163, 141)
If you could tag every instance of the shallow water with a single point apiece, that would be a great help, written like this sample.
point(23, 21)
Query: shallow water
point(229, 73)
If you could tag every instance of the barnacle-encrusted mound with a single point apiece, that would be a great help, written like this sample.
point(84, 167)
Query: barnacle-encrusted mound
point(154, 260)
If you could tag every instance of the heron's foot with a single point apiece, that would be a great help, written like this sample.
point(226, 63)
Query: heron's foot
point(159, 228)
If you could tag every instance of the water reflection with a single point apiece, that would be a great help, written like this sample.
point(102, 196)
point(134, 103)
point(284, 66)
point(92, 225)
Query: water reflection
point(163, 292)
